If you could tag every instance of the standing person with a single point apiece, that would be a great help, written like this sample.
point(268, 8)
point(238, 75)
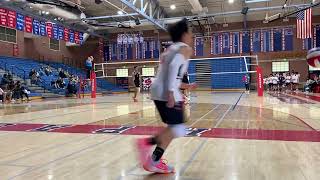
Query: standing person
point(246, 81)
point(275, 80)
point(288, 81)
point(281, 82)
point(166, 94)
point(89, 65)
point(295, 81)
point(136, 82)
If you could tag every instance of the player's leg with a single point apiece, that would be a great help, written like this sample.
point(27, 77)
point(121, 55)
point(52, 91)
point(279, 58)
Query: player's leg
point(174, 118)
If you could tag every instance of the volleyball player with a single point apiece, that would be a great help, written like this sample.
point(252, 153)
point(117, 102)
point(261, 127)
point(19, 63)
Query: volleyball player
point(166, 94)
point(136, 82)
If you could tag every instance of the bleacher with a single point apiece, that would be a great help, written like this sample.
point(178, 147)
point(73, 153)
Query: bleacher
point(102, 84)
point(21, 68)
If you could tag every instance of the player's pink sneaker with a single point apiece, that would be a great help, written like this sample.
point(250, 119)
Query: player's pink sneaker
point(158, 167)
point(143, 148)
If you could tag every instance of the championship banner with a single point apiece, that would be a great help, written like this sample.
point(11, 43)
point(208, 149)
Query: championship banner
point(259, 81)
point(288, 39)
point(3, 17)
point(49, 30)
point(277, 40)
point(76, 37)
point(20, 22)
point(81, 37)
point(36, 27)
point(55, 31)
point(66, 34)
point(236, 44)
point(12, 19)
point(28, 24)
point(256, 41)
point(43, 31)
point(60, 33)
point(225, 43)
point(71, 36)
point(146, 83)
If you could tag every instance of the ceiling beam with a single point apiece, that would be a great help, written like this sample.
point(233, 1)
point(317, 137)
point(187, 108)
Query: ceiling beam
point(235, 13)
point(143, 12)
point(196, 6)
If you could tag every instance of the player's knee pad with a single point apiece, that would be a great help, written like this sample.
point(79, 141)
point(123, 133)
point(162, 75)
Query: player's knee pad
point(179, 130)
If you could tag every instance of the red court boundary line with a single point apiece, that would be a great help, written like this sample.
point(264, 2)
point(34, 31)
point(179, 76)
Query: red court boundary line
point(254, 134)
point(312, 97)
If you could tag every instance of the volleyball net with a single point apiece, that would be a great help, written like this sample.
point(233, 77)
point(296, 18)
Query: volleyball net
point(219, 73)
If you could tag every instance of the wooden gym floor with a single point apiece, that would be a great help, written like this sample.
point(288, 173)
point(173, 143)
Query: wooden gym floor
point(231, 136)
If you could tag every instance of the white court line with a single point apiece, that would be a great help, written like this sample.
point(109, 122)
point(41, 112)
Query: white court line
point(110, 140)
point(204, 115)
point(222, 117)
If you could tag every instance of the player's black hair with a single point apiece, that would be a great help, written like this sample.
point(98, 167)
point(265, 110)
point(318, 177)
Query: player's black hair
point(177, 30)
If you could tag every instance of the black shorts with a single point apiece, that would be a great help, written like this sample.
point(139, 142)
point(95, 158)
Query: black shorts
point(170, 116)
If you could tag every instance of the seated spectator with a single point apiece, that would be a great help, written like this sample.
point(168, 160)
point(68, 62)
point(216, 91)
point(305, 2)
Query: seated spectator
point(48, 71)
point(24, 92)
point(16, 91)
point(2, 95)
point(5, 80)
point(62, 74)
point(34, 76)
point(60, 83)
point(9, 91)
point(71, 89)
point(10, 77)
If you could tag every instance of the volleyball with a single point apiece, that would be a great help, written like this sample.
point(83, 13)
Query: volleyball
point(313, 57)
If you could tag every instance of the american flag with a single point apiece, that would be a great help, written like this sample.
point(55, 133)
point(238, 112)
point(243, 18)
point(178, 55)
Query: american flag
point(304, 24)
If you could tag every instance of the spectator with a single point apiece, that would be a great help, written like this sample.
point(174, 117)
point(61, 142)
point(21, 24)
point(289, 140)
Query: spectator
point(5, 80)
point(2, 95)
point(34, 76)
point(60, 83)
point(10, 91)
point(308, 85)
point(295, 80)
point(16, 91)
point(62, 74)
point(246, 81)
point(24, 92)
point(48, 71)
point(89, 65)
point(281, 82)
point(10, 78)
point(71, 89)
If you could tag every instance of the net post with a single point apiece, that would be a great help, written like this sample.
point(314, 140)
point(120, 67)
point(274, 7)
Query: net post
point(259, 81)
point(93, 84)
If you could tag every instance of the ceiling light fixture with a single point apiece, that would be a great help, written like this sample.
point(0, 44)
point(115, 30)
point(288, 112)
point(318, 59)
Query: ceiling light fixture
point(173, 7)
point(120, 12)
point(231, 1)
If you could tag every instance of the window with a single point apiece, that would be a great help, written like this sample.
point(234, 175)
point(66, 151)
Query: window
point(8, 35)
point(313, 68)
point(280, 66)
point(54, 44)
point(148, 71)
point(122, 73)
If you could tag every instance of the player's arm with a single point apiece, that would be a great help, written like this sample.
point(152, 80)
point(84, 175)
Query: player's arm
point(187, 53)
point(172, 76)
